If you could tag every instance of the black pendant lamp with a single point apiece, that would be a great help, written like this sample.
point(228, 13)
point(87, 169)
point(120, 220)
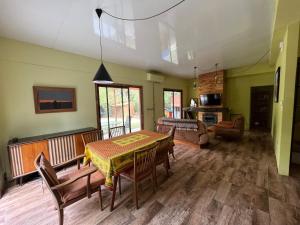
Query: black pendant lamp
point(102, 76)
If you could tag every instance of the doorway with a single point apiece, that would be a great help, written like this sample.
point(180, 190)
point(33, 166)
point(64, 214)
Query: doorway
point(172, 103)
point(261, 108)
point(119, 105)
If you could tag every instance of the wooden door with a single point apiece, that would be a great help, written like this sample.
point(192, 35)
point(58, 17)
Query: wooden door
point(261, 108)
point(295, 154)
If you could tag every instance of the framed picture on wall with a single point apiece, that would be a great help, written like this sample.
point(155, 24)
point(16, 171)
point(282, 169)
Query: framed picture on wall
point(54, 99)
point(276, 85)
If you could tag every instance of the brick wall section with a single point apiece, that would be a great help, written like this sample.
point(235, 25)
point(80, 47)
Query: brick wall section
point(210, 83)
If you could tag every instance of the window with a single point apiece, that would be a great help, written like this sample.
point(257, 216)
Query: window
point(173, 103)
point(119, 105)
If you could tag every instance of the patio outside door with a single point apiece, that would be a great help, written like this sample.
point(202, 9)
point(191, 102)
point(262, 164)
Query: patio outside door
point(119, 106)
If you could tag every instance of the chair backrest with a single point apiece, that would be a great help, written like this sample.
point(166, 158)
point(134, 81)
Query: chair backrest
point(91, 136)
point(239, 123)
point(162, 152)
point(163, 128)
point(144, 160)
point(47, 173)
point(116, 131)
point(172, 132)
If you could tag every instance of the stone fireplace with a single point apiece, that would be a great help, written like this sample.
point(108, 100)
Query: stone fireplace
point(209, 118)
point(211, 83)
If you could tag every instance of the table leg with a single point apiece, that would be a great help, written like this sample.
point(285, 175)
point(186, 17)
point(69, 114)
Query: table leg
point(115, 182)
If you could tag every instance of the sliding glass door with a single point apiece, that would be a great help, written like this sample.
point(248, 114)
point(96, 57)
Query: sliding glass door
point(173, 103)
point(119, 105)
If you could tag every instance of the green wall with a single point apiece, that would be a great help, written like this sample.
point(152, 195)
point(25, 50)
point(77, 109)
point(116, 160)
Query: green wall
point(283, 110)
point(24, 65)
point(238, 83)
point(193, 92)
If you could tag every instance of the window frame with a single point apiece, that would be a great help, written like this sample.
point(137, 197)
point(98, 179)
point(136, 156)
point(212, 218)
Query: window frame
point(181, 100)
point(117, 85)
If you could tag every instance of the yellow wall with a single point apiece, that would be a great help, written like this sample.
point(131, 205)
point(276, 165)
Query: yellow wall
point(238, 83)
point(24, 65)
point(283, 110)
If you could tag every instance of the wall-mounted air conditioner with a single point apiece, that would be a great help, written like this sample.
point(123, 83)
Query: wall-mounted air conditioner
point(155, 78)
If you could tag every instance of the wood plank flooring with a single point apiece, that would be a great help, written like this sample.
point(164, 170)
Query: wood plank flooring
point(232, 183)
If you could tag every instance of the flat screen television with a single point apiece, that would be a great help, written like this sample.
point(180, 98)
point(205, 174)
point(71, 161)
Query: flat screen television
point(211, 100)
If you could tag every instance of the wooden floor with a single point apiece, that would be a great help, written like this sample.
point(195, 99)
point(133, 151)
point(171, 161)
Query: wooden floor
point(232, 183)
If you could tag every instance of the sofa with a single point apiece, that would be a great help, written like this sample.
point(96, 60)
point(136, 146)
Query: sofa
point(231, 129)
point(188, 130)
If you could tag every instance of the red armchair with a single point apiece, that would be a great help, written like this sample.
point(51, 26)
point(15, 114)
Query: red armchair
point(231, 129)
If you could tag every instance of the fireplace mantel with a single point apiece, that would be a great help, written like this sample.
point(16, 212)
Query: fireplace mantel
point(206, 109)
point(200, 112)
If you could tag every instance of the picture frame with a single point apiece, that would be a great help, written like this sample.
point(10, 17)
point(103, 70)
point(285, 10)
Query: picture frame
point(54, 99)
point(277, 85)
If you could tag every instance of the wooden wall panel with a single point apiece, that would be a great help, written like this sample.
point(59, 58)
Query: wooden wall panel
point(30, 152)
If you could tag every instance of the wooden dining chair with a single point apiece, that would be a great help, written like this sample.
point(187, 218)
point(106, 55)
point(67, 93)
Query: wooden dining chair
point(116, 131)
point(169, 130)
point(71, 187)
point(143, 168)
point(92, 136)
point(162, 156)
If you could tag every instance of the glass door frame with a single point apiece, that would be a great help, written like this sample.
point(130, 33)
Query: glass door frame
point(181, 100)
point(116, 85)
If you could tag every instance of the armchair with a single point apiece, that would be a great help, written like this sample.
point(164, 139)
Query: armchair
point(231, 129)
point(71, 187)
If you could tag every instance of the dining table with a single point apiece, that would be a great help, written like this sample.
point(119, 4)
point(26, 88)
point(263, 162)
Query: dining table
point(114, 156)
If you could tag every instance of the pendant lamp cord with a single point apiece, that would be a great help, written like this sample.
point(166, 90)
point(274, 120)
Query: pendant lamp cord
point(145, 18)
point(100, 40)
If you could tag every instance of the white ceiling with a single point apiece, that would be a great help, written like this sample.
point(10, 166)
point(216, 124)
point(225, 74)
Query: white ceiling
point(198, 32)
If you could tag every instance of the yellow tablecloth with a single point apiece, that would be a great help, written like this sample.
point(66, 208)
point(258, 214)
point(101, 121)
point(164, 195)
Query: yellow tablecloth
point(114, 155)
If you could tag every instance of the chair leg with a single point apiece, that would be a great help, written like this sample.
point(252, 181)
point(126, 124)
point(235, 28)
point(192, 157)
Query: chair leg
point(120, 188)
point(173, 155)
point(78, 164)
point(135, 194)
point(155, 177)
point(153, 182)
point(61, 216)
point(100, 198)
point(114, 193)
point(166, 165)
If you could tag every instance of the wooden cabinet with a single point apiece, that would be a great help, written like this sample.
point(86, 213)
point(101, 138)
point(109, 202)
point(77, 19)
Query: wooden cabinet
point(29, 152)
point(58, 149)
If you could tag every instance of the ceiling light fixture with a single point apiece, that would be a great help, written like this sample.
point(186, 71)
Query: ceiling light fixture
point(102, 76)
point(216, 73)
point(195, 77)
